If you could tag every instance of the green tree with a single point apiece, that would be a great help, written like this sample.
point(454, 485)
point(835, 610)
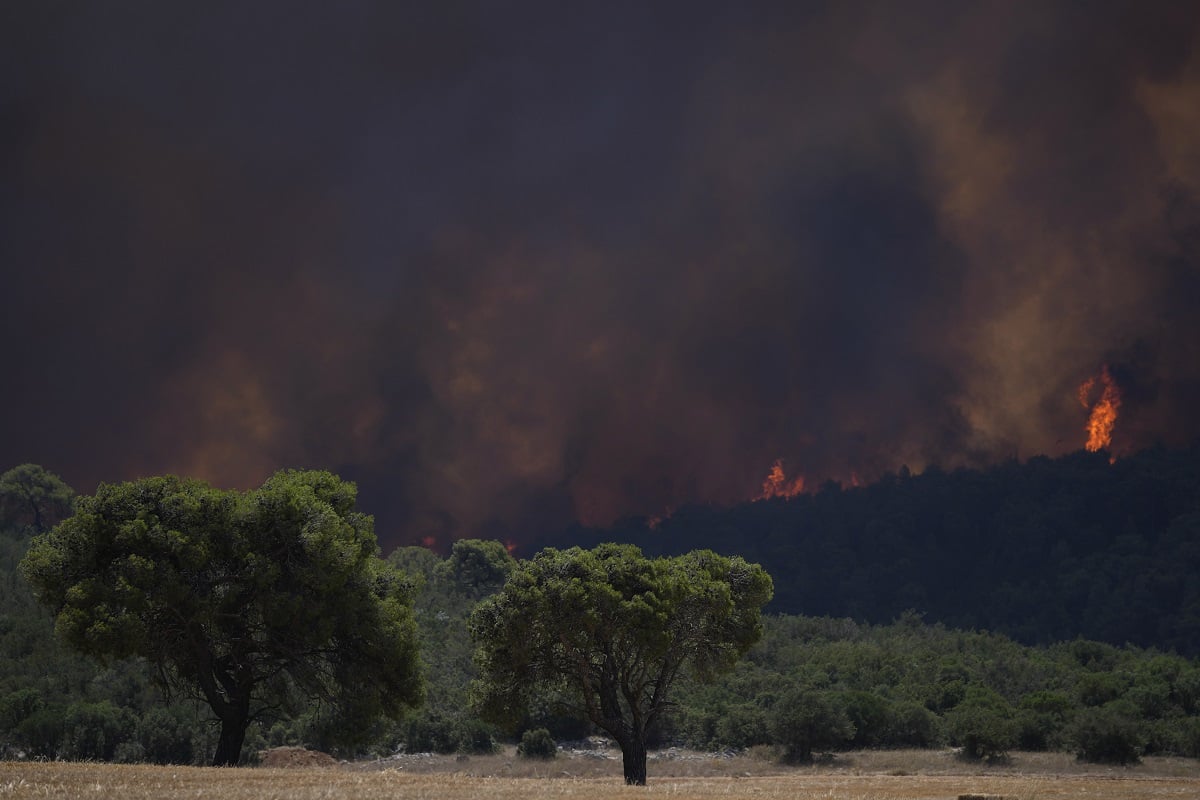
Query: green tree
point(251, 602)
point(477, 567)
point(39, 499)
point(611, 630)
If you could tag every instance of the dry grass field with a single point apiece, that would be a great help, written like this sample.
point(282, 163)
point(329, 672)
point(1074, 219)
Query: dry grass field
point(890, 775)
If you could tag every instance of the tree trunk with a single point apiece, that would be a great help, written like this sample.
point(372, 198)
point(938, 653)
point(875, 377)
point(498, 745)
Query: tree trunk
point(229, 745)
point(227, 687)
point(633, 759)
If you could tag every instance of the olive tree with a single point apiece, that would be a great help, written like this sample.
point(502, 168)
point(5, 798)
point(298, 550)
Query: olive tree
point(608, 631)
point(249, 601)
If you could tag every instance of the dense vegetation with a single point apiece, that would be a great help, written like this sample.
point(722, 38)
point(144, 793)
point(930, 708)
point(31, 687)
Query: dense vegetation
point(830, 684)
point(812, 684)
point(1043, 551)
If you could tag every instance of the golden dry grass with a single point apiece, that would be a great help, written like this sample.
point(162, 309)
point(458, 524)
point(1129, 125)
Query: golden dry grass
point(901, 775)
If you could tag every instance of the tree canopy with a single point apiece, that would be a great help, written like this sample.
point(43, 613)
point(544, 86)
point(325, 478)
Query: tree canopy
point(609, 631)
point(250, 601)
point(36, 497)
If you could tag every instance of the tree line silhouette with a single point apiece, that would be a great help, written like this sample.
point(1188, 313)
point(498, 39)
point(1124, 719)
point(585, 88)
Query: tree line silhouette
point(1043, 551)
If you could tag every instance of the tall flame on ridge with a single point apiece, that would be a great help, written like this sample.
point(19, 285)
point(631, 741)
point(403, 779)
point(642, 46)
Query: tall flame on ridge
point(778, 485)
point(1104, 413)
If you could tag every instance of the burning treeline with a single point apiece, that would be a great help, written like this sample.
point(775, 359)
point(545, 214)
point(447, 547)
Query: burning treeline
point(778, 485)
point(1103, 416)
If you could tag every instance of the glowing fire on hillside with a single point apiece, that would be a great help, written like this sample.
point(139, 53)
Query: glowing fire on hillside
point(778, 485)
point(1104, 413)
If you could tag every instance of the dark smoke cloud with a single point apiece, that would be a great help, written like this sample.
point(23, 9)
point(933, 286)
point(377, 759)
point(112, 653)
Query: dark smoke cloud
point(511, 266)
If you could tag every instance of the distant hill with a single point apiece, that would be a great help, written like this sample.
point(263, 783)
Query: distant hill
point(1043, 551)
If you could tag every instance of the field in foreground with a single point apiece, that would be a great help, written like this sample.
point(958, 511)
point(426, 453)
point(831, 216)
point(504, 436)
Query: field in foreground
point(894, 775)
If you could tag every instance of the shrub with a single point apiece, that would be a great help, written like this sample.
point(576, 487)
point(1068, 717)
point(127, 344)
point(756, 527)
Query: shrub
point(1189, 737)
point(871, 716)
point(1098, 688)
point(42, 732)
point(741, 726)
point(129, 753)
point(165, 736)
point(982, 725)
point(429, 732)
point(283, 734)
point(475, 737)
point(1041, 720)
point(912, 725)
point(805, 720)
point(93, 730)
point(1107, 735)
point(537, 743)
point(18, 706)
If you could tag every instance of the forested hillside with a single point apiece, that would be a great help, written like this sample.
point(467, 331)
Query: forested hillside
point(815, 682)
point(1043, 551)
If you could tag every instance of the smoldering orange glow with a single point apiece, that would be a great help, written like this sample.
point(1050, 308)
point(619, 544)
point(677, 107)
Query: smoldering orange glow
point(429, 542)
point(778, 485)
point(653, 521)
point(1103, 415)
point(510, 546)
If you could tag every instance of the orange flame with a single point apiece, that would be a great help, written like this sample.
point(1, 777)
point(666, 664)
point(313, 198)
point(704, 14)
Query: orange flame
point(1104, 413)
point(778, 485)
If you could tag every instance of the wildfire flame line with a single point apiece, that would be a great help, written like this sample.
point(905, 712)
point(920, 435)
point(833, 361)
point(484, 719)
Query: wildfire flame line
point(1104, 413)
point(778, 485)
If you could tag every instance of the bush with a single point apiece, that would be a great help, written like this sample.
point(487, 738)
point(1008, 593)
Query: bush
point(94, 730)
point(1097, 688)
point(982, 725)
point(429, 732)
point(1041, 720)
point(283, 734)
point(129, 753)
point(475, 737)
point(871, 716)
point(537, 743)
point(1107, 735)
point(911, 725)
point(42, 732)
point(165, 736)
point(694, 726)
point(805, 720)
point(432, 732)
point(743, 725)
point(18, 706)
point(1189, 737)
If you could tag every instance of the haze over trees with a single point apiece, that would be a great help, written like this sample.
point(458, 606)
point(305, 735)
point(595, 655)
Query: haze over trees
point(249, 601)
point(607, 632)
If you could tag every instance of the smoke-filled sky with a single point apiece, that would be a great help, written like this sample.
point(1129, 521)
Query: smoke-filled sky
point(514, 265)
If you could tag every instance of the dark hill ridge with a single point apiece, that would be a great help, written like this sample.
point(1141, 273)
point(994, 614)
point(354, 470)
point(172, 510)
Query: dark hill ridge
point(1043, 551)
